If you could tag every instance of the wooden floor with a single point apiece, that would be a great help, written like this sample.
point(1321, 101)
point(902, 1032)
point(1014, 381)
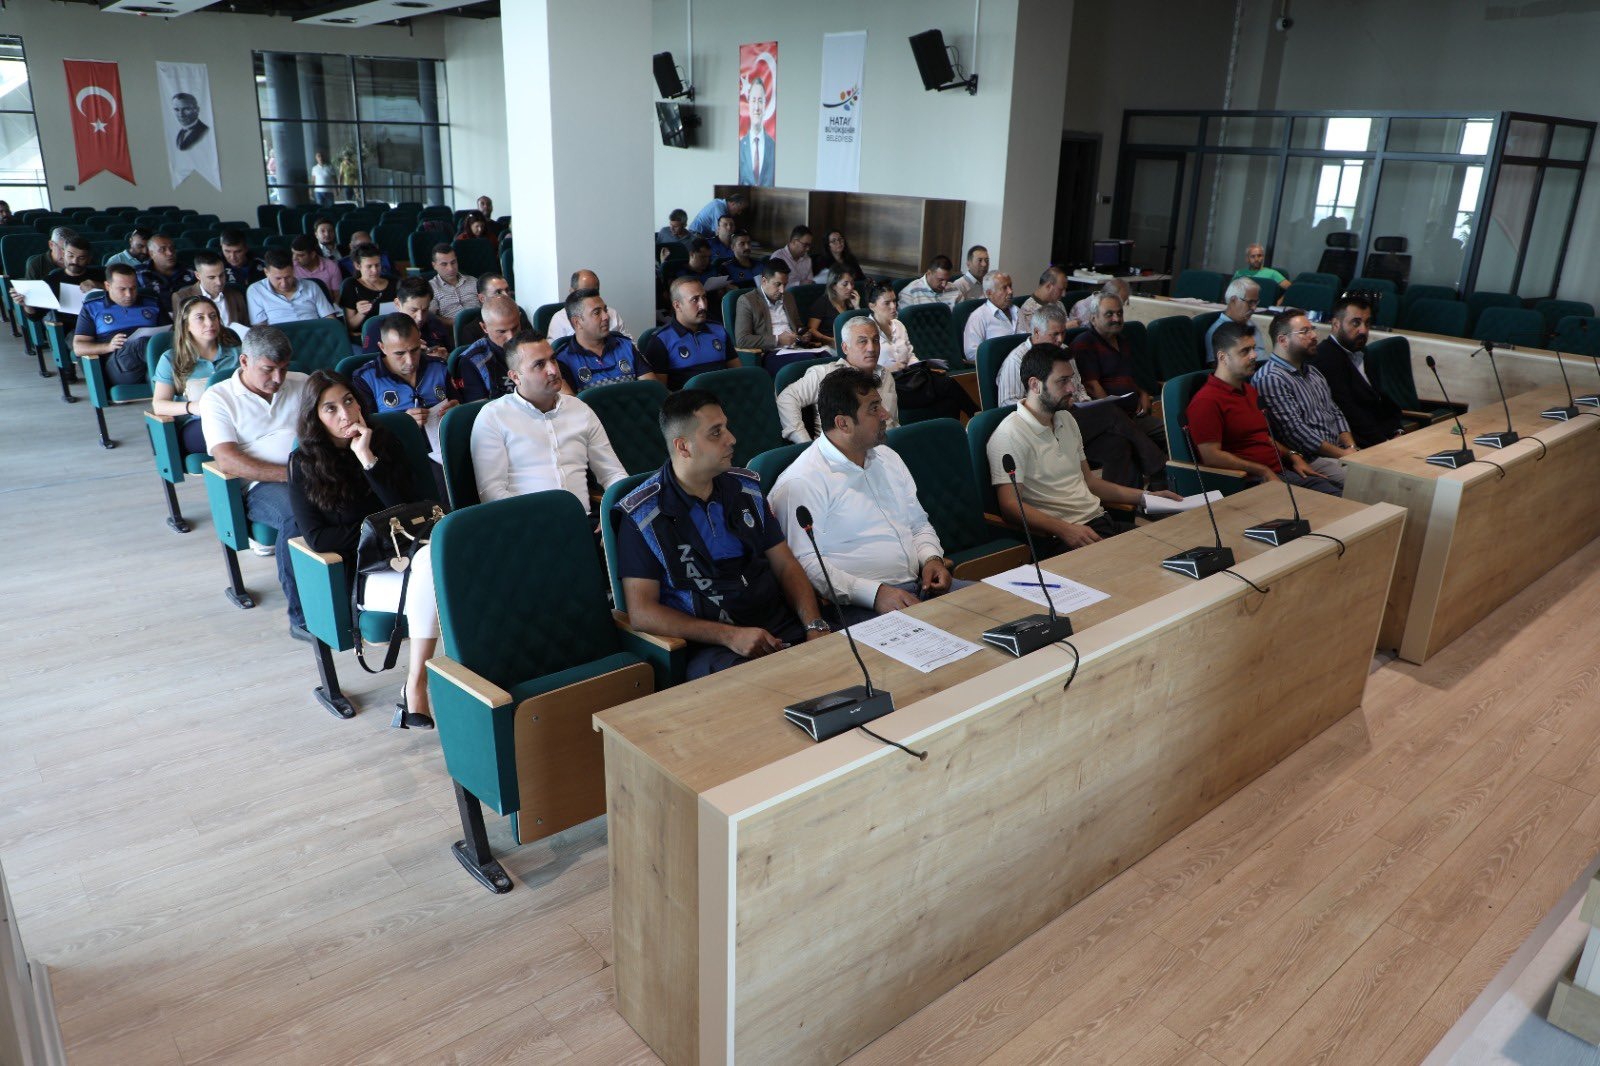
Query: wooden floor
point(217, 870)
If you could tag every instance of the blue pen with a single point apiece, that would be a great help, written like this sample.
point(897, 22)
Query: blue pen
point(1033, 585)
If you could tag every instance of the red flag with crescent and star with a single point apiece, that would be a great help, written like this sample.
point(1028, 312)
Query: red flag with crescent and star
point(98, 131)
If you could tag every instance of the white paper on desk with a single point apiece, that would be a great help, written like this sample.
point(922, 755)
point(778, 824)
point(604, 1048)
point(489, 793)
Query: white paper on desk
point(70, 299)
point(1161, 505)
point(912, 641)
point(801, 351)
point(1085, 405)
point(36, 294)
point(1067, 596)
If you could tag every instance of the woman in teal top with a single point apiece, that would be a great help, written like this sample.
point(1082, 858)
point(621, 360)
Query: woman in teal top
point(201, 349)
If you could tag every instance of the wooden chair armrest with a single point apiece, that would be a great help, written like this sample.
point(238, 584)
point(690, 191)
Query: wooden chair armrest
point(463, 680)
point(1214, 471)
point(664, 643)
point(324, 558)
point(151, 416)
point(213, 470)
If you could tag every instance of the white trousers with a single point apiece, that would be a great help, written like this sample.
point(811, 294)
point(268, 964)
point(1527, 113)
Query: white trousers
point(381, 592)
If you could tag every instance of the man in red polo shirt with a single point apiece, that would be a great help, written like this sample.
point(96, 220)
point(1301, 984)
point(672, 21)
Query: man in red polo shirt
point(1227, 423)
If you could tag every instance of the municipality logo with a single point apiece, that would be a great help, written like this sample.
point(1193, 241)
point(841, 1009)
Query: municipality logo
point(848, 98)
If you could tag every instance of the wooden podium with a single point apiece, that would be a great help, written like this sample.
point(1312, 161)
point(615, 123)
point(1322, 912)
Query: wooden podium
point(776, 900)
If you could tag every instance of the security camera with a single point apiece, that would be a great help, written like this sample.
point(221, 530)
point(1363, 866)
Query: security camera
point(1284, 24)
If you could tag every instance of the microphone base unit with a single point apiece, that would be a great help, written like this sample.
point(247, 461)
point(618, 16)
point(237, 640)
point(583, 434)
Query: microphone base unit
point(838, 712)
point(1502, 439)
point(1279, 531)
point(1561, 414)
point(1029, 634)
point(1199, 562)
point(1591, 400)
point(1454, 460)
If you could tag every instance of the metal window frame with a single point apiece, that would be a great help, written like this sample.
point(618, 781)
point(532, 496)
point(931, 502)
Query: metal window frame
point(34, 113)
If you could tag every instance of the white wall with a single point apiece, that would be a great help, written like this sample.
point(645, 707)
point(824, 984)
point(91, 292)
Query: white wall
point(914, 143)
point(53, 32)
point(1033, 155)
point(475, 72)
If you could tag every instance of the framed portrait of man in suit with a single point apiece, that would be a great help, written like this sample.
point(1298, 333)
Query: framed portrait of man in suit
point(191, 142)
point(758, 113)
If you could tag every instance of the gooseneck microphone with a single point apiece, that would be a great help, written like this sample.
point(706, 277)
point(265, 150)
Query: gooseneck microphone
point(1593, 398)
point(1500, 438)
point(1463, 455)
point(1036, 630)
point(1278, 531)
point(837, 712)
point(1204, 561)
point(1570, 411)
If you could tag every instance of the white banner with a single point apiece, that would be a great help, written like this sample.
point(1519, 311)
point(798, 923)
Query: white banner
point(844, 60)
point(186, 111)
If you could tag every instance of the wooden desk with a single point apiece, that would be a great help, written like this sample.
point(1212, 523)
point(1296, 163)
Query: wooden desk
point(776, 900)
point(1090, 277)
point(1475, 536)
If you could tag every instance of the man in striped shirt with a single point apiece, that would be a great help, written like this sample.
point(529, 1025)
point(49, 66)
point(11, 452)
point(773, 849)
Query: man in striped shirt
point(1299, 402)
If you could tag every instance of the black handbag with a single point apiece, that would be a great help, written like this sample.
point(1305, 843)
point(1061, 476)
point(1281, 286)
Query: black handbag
point(387, 542)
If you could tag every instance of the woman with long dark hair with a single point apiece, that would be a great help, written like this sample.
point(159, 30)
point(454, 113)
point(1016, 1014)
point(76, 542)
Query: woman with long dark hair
point(837, 258)
point(475, 226)
point(840, 296)
point(342, 471)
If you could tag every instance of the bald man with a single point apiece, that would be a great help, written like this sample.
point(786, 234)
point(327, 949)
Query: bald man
point(561, 326)
point(481, 371)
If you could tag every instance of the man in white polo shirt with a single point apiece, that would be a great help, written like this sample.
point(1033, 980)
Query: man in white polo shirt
point(881, 549)
point(1063, 498)
point(283, 297)
point(537, 437)
point(249, 424)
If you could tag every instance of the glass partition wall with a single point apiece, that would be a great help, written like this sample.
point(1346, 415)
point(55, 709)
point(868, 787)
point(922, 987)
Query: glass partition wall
point(1469, 200)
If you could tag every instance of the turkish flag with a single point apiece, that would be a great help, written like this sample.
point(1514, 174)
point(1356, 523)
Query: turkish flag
point(98, 131)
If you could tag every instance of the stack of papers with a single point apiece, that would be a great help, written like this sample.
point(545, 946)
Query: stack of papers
point(1157, 505)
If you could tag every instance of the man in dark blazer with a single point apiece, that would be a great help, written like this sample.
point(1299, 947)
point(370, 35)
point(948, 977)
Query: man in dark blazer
point(756, 148)
point(188, 111)
point(1353, 378)
point(756, 312)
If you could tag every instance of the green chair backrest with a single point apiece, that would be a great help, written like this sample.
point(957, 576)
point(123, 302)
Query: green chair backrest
point(1579, 335)
point(1138, 339)
point(646, 337)
point(1553, 311)
point(484, 604)
point(351, 363)
point(790, 373)
point(1392, 357)
point(348, 225)
point(1175, 396)
point(1202, 323)
point(838, 323)
point(1309, 297)
point(992, 355)
point(477, 256)
point(928, 330)
point(1207, 285)
point(319, 343)
point(419, 246)
point(543, 314)
point(394, 242)
point(980, 428)
point(369, 331)
point(935, 451)
point(1415, 292)
point(1479, 302)
point(414, 442)
point(1315, 278)
point(730, 306)
point(277, 240)
point(1445, 317)
point(958, 322)
point(770, 464)
point(610, 527)
point(629, 411)
point(17, 248)
point(804, 297)
point(1510, 325)
point(899, 283)
point(508, 263)
point(750, 404)
point(455, 453)
point(158, 345)
point(465, 320)
point(1385, 297)
point(1174, 350)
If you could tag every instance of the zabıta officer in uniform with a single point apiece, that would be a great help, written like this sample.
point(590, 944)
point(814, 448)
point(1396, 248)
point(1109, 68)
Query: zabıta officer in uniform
point(688, 345)
point(109, 320)
point(595, 354)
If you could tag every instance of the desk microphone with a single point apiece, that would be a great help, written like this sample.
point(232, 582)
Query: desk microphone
point(1593, 398)
point(837, 712)
point(1203, 561)
point(1500, 438)
point(1278, 531)
point(1569, 412)
point(1036, 630)
point(1463, 455)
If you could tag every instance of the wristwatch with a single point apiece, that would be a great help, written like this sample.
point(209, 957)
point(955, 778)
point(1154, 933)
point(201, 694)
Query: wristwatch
point(818, 625)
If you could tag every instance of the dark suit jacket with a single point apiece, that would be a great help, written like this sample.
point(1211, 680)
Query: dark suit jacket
point(237, 309)
point(1373, 417)
point(752, 322)
point(191, 134)
point(747, 175)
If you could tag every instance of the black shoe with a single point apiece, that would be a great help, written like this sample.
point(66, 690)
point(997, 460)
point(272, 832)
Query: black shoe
point(301, 633)
point(404, 719)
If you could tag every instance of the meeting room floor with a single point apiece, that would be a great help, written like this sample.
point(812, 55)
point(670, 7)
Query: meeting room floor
point(215, 869)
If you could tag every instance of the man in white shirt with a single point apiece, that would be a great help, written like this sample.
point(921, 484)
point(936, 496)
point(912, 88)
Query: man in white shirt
point(283, 297)
point(323, 177)
point(933, 287)
point(796, 255)
point(537, 437)
point(882, 551)
point(561, 325)
point(996, 318)
point(249, 423)
point(453, 291)
point(861, 345)
point(1062, 497)
point(970, 283)
point(1240, 300)
point(1048, 325)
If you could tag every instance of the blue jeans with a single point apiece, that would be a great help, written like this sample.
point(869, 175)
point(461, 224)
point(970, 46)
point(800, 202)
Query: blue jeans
point(268, 503)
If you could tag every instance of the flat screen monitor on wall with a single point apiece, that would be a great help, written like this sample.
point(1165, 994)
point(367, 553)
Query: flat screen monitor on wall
point(678, 123)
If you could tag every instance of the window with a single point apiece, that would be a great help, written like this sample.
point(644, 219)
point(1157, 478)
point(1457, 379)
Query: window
point(1339, 184)
point(22, 183)
point(378, 125)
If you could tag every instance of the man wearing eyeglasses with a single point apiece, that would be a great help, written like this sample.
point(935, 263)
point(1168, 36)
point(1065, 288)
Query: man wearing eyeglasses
point(1299, 402)
point(1243, 295)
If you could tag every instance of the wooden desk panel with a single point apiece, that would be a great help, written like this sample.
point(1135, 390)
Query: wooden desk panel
point(697, 751)
point(1477, 536)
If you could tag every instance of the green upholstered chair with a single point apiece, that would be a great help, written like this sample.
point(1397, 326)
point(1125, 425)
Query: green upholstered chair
point(278, 240)
point(318, 343)
point(792, 372)
point(1138, 338)
point(992, 355)
point(1553, 311)
point(730, 309)
point(771, 464)
point(935, 451)
point(419, 247)
point(476, 256)
point(225, 494)
point(1510, 325)
point(840, 319)
point(804, 297)
point(542, 316)
point(455, 453)
point(1416, 292)
point(630, 412)
point(979, 429)
point(508, 263)
point(750, 404)
point(1446, 318)
point(899, 283)
point(1174, 349)
point(1479, 302)
point(514, 694)
point(1202, 323)
point(394, 241)
point(1385, 298)
point(467, 325)
point(15, 250)
point(324, 583)
point(102, 394)
point(1183, 468)
point(1317, 278)
point(928, 329)
point(57, 339)
point(171, 464)
point(958, 324)
point(1309, 297)
point(1578, 334)
point(1391, 358)
point(670, 659)
point(1207, 285)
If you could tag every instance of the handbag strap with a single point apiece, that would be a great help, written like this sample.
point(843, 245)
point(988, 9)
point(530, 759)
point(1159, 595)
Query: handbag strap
point(392, 654)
